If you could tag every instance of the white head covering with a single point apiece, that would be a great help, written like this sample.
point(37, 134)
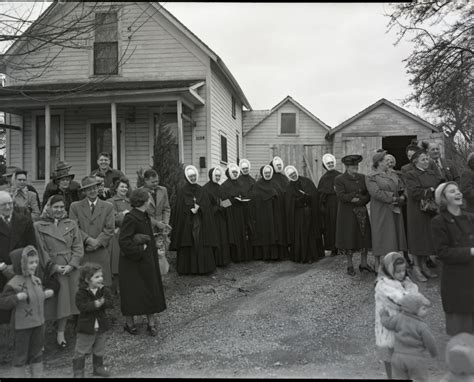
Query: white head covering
point(232, 167)
point(190, 169)
point(263, 172)
point(276, 160)
point(243, 162)
point(440, 191)
point(213, 176)
point(327, 158)
point(289, 170)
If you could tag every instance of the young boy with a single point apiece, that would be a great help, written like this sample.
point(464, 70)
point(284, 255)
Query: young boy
point(24, 294)
point(412, 337)
point(92, 299)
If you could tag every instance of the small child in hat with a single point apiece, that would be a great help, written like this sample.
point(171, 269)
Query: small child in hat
point(412, 337)
point(460, 358)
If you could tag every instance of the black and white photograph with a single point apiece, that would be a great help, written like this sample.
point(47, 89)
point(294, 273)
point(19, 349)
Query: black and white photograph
point(237, 190)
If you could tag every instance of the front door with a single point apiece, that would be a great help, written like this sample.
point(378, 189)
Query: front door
point(101, 141)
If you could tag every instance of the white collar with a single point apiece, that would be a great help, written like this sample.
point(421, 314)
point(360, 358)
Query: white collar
point(92, 203)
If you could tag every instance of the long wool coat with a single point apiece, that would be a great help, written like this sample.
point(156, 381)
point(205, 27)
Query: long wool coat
point(386, 220)
point(61, 245)
point(120, 206)
point(327, 201)
point(467, 188)
point(141, 287)
point(352, 233)
point(99, 226)
point(418, 184)
point(453, 238)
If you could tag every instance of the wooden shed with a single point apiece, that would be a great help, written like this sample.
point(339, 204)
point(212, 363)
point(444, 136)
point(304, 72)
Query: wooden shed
point(381, 125)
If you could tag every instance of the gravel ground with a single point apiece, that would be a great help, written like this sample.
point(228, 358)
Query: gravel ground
point(258, 319)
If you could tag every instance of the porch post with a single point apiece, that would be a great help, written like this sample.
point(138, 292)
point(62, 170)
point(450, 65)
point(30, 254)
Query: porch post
point(113, 111)
point(180, 131)
point(47, 144)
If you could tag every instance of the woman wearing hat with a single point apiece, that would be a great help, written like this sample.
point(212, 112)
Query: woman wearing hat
point(353, 225)
point(467, 183)
point(452, 233)
point(62, 184)
point(386, 217)
point(421, 183)
point(328, 203)
point(193, 236)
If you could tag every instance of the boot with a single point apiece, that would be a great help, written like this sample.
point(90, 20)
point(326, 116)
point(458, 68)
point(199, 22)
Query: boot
point(78, 367)
point(20, 372)
point(428, 272)
point(99, 368)
point(36, 370)
point(418, 275)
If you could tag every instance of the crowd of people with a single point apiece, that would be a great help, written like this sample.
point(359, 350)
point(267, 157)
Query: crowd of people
point(91, 240)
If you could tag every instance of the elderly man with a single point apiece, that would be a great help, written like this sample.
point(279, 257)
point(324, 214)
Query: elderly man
point(25, 201)
point(445, 168)
point(16, 231)
point(96, 221)
point(109, 174)
point(159, 208)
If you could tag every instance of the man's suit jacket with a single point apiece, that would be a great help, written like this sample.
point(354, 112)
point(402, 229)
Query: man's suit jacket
point(159, 210)
point(449, 172)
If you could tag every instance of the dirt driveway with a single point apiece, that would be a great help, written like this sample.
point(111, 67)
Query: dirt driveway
point(258, 319)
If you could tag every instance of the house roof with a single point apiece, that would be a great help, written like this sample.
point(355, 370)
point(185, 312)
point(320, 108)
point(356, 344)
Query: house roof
point(382, 101)
point(275, 108)
point(252, 117)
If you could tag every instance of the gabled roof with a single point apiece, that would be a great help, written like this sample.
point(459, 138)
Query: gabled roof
point(280, 104)
point(252, 117)
point(382, 101)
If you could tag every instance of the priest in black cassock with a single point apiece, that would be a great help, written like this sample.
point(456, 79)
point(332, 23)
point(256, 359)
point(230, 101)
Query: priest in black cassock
point(193, 237)
point(218, 206)
point(301, 201)
point(328, 203)
point(238, 227)
point(265, 214)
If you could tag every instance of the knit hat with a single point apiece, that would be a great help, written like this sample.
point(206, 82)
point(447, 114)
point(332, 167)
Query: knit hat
point(460, 354)
point(440, 190)
point(412, 302)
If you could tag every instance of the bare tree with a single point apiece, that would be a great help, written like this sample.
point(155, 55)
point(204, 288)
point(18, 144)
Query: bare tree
point(441, 64)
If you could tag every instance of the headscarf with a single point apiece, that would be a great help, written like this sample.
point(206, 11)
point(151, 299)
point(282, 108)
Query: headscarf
point(231, 167)
point(47, 214)
point(244, 162)
point(328, 157)
point(212, 174)
point(190, 169)
point(289, 170)
point(262, 172)
point(274, 162)
point(387, 265)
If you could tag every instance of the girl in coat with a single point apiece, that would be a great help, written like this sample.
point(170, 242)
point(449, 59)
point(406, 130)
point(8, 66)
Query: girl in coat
point(61, 249)
point(392, 284)
point(453, 237)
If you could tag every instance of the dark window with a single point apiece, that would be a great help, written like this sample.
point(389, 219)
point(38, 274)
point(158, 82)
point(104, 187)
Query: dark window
point(238, 147)
point(106, 44)
point(55, 142)
point(101, 140)
point(223, 149)
point(233, 107)
point(288, 123)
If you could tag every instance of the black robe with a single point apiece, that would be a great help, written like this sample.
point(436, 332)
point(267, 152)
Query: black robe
point(328, 208)
point(280, 182)
point(304, 236)
point(193, 236)
point(265, 215)
point(238, 225)
point(245, 182)
point(214, 193)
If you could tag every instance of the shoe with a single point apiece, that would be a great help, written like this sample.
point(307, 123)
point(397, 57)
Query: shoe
point(351, 271)
point(419, 275)
point(130, 329)
point(62, 344)
point(428, 273)
point(367, 268)
point(430, 263)
point(98, 367)
point(151, 330)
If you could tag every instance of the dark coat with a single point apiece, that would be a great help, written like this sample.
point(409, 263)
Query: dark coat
point(467, 188)
point(418, 184)
point(448, 173)
point(327, 201)
point(141, 287)
point(89, 312)
point(72, 193)
point(352, 232)
point(453, 238)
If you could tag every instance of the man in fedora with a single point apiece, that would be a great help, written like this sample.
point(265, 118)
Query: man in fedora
point(8, 176)
point(96, 221)
point(62, 184)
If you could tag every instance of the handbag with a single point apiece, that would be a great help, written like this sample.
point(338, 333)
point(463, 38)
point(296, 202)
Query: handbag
point(429, 206)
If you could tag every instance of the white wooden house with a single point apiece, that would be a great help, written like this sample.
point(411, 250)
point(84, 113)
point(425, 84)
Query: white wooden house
point(290, 131)
point(163, 72)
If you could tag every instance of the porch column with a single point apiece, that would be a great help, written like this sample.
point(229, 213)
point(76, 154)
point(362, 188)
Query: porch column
point(113, 111)
point(180, 131)
point(47, 144)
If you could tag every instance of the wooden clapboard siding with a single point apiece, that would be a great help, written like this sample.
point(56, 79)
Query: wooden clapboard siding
point(258, 155)
point(14, 138)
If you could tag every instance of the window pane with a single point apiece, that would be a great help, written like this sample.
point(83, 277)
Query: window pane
point(288, 123)
point(105, 58)
point(223, 149)
point(106, 27)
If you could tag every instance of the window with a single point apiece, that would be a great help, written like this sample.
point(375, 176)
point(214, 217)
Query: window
point(101, 140)
point(223, 148)
point(233, 107)
point(106, 43)
point(40, 144)
point(288, 123)
point(238, 147)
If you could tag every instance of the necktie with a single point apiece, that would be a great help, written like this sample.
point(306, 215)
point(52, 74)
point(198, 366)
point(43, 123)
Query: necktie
point(7, 220)
point(439, 163)
point(92, 208)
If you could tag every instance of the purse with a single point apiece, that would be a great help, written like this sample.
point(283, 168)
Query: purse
point(429, 206)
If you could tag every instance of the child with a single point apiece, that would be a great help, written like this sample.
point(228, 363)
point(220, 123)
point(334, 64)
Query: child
point(161, 242)
point(391, 285)
point(412, 337)
point(25, 295)
point(92, 299)
point(460, 358)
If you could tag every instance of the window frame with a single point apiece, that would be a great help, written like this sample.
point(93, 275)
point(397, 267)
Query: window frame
point(296, 133)
point(223, 135)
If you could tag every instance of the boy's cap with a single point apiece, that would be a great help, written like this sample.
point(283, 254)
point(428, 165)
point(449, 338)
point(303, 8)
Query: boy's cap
point(412, 302)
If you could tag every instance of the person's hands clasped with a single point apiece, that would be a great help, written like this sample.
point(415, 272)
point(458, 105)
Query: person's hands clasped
point(99, 302)
point(21, 296)
point(355, 200)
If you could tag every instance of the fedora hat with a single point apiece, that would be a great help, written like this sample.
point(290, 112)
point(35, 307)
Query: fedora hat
point(89, 181)
point(62, 174)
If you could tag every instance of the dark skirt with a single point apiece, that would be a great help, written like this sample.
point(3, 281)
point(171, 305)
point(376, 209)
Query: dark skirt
point(222, 255)
point(459, 322)
point(266, 252)
point(192, 261)
point(241, 252)
point(330, 217)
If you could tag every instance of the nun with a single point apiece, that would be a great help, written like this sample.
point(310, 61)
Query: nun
point(279, 179)
point(245, 180)
point(328, 203)
point(301, 202)
point(214, 193)
point(353, 232)
point(193, 236)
